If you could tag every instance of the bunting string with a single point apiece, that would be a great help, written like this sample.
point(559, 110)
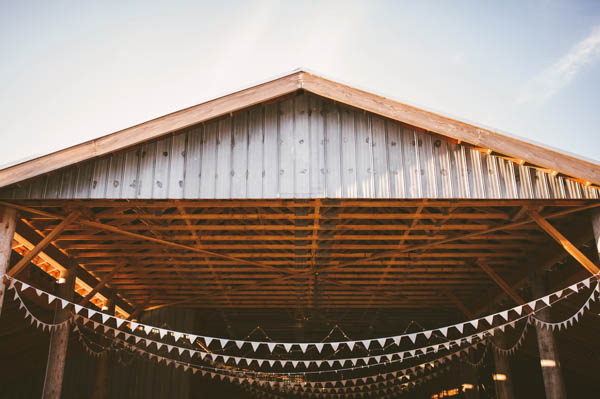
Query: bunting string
point(518, 343)
point(574, 318)
point(409, 372)
point(318, 346)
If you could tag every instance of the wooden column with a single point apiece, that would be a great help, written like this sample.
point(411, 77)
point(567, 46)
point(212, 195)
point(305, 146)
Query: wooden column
point(502, 375)
point(59, 340)
point(596, 228)
point(549, 359)
point(101, 385)
point(8, 221)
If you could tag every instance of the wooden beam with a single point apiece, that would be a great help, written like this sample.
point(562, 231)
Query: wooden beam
point(105, 280)
point(117, 230)
point(140, 308)
point(459, 304)
point(566, 244)
point(44, 243)
point(386, 254)
point(501, 283)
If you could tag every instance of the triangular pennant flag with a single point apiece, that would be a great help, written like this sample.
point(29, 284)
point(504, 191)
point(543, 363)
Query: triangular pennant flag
point(119, 321)
point(63, 303)
point(239, 344)
point(334, 345)
point(303, 347)
point(38, 292)
point(283, 363)
point(381, 342)
point(444, 331)
point(574, 287)
point(366, 343)
point(255, 345)
point(287, 347)
point(397, 339)
point(133, 325)
point(413, 337)
point(504, 315)
point(105, 317)
point(78, 308)
point(351, 345)
point(294, 363)
point(24, 286)
point(271, 346)
point(546, 300)
point(106, 328)
point(176, 335)
point(207, 340)
point(558, 293)
point(271, 362)
point(427, 333)
point(147, 329)
point(489, 319)
point(330, 362)
point(519, 309)
point(586, 282)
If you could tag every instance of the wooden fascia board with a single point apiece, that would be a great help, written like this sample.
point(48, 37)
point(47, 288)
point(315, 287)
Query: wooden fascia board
point(149, 130)
point(429, 121)
point(426, 120)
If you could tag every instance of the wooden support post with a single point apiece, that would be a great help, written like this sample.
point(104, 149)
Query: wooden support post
point(502, 375)
point(101, 384)
point(8, 222)
point(43, 244)
point(549, 359)
point(566, 244)
point(469, 374)
point(596, 228)
point(59, 340)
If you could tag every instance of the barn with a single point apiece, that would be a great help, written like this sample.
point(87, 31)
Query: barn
point(300, 238)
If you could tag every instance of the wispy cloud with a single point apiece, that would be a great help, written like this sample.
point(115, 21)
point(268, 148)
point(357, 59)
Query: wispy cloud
point(562, 72)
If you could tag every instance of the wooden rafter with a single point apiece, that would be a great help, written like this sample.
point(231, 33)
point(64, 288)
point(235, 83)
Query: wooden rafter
point(44, 243)
point(501, 283)
point(105, 280)
point(564, 242)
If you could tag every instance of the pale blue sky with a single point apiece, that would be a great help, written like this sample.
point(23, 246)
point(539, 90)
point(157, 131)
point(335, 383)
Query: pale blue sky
point(72, 70)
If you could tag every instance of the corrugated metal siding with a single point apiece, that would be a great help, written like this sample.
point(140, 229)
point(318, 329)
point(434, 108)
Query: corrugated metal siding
point(300, 147)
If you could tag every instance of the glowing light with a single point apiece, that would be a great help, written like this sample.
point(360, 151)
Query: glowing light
point(466, 387)
point(499, 377)
point(61, 280)
point(548, 363)
point(104, 307)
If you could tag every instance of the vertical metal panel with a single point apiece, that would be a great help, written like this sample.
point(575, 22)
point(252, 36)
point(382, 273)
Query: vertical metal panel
point(332, 151)
point(364, 160)
point(146, 171)
point(130, 169)
point(286, 148)
point(381, 171)
point(348, 154)
point(255, 153)
point(300, 146)
point(317, 147)
point(208, 171)
point(160, 186)
point(271, 152)
point(239, 156)
point(193, 163)
point(177, 166)
point(223, 171)
point(115, 176)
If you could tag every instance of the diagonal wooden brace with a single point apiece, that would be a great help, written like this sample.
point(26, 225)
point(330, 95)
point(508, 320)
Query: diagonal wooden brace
point(43, 244)
point(566, 244)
